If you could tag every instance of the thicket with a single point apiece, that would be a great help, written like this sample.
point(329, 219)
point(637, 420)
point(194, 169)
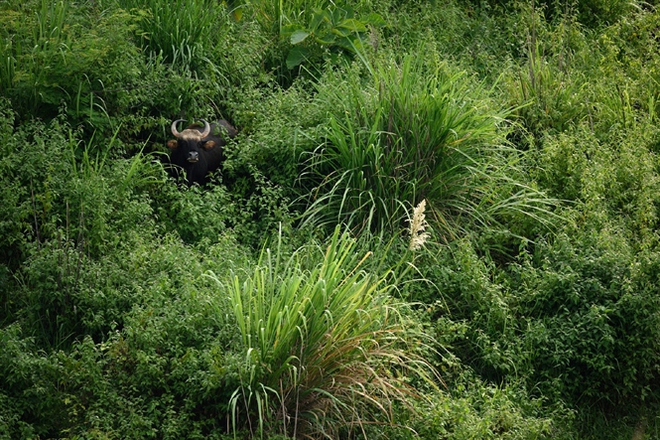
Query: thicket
point(439, 220)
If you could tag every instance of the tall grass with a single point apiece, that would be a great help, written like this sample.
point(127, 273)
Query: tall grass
point(323, 346)
point(416, 130)
point(65, 58)
point(180, 30)
point(273, 15)
point(7, 65)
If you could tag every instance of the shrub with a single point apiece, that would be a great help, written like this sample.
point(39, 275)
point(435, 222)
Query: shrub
point(591, 319)
point(68, 189)
point(163, 360)
point(478, 410)
point(592, 13)
point(71, 216)
point(72, 56)
point(472, 314)
point(251, 209)
point(31, 402)
point(617, 178)
point(333, 30)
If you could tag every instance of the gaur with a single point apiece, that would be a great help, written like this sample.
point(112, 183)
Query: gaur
point(198, 149)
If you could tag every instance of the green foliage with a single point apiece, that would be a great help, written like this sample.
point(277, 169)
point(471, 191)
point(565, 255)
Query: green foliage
point(179, 30)
point(67, 190)
point(472, 315)
point(195, 214)
point(415, 131)
point(477, 410)
point(162, 365)
point(123, 67)
point(283, 128)
point(109, 327)
point(321, 345)
point(594, 12)
point(612, 181)
point(336, 29)
point(30, 405)
point(592, 319)
point(65, 215)
point(589, 12)
point(62, 54)
point(252, 208)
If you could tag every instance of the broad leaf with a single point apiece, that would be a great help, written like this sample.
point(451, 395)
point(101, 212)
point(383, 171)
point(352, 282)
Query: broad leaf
point(299, 36)
point(352, 25)
point(296, 56)
point(374, 19)
point(326, 38)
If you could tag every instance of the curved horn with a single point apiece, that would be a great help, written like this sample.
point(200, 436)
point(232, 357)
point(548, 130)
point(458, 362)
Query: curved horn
point(175, 132)
point(207, 129)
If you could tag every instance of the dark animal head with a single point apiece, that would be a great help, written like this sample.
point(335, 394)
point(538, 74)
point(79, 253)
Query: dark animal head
point(198, 150)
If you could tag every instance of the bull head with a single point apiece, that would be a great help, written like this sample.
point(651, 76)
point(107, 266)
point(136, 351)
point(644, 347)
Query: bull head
point(191, 135)
point(197, 151)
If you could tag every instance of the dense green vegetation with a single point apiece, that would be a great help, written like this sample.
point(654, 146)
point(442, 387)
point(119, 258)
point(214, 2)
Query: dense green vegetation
point(440, 219)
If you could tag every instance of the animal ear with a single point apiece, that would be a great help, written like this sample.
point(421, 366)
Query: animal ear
point(172, 144)
point(208, 145)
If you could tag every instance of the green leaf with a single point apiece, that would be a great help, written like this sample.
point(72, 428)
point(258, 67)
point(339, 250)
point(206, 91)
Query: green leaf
point(299, 36)
point(290, 29)
point(350, 44)
point(326, 38)
point(296, 56)
point(375, 20)
point(352, 25)
point(318, 17)
point(342, 32)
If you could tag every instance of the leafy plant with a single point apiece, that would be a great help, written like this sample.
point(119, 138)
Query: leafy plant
point(592, 324)
point(617, 181)
point(335, 29)
point(478, 410)
point(592, 13)
point(69, 58)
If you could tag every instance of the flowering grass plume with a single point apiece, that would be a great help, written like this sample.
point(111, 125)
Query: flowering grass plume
point(418, 225)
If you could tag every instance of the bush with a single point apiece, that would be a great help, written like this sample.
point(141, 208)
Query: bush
point(478, 410)
point(163, 361)
point(589, 12)
point(591, 320)
point(66, 189)
point(69, 55)
point(617, 179)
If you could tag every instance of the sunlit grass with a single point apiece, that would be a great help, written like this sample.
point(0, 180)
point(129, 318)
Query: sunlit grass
point(416, 130)
point(324, 347)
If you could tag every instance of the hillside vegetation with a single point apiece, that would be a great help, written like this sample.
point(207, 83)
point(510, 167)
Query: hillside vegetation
point(439, 220)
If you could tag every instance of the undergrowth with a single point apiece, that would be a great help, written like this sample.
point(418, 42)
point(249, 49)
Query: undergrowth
point(438, 220)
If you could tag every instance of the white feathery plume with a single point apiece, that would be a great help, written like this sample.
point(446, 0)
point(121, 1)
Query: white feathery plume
point(418, 225)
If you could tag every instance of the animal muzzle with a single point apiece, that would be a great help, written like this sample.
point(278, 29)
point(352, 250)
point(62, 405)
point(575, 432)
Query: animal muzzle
point(193, 157)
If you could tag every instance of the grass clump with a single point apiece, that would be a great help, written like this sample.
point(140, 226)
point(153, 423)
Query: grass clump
point(325, 349)
point(416, 130)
